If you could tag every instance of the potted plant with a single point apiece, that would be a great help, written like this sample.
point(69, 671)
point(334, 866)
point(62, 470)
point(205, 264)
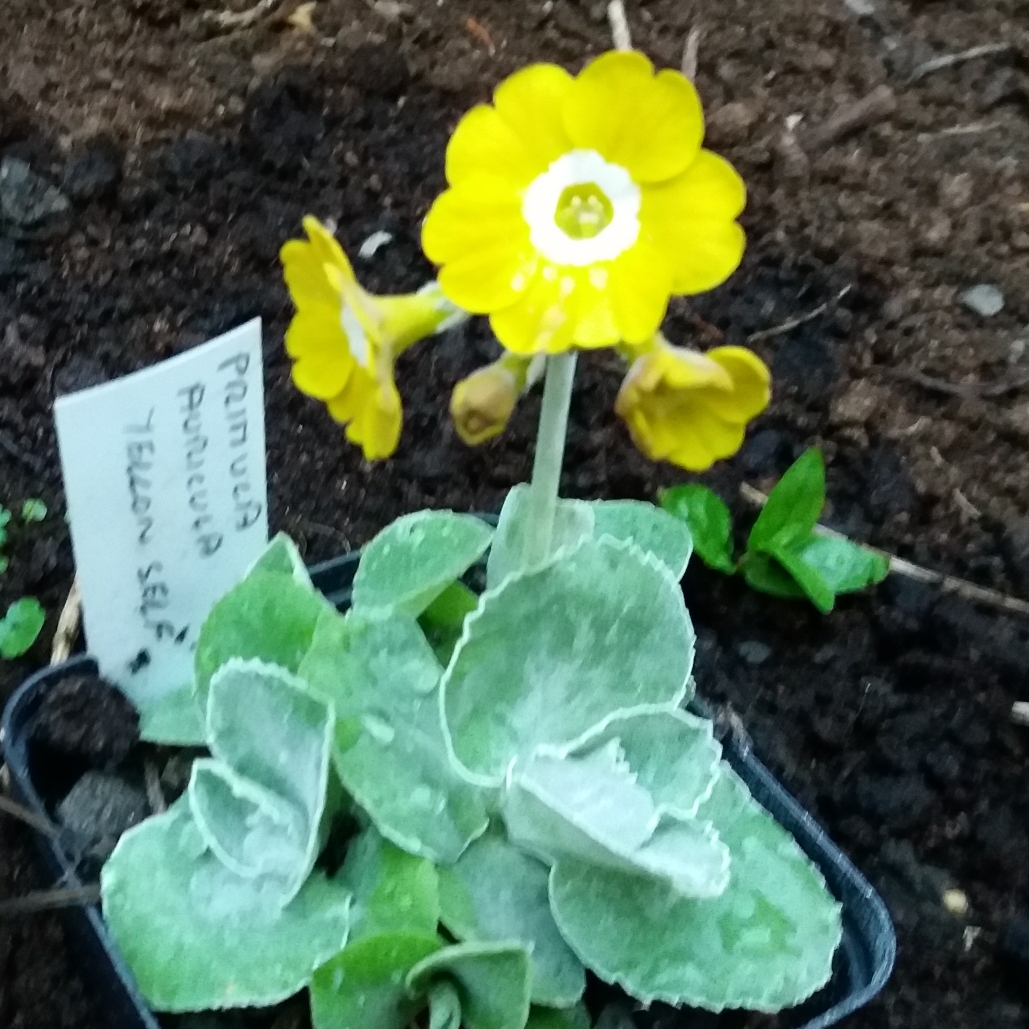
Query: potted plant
point(495, 734)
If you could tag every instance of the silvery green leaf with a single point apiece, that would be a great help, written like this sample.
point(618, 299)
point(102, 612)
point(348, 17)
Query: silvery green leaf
point(393, 891)
point(198, 937)
point(672, 754)
point(382, 677)
point(268, 615)
point(766, 943)
point(590, 808)
point(573, 522)
point(363, 986)
point(444, 1006)
point(497, 892)
point(252, 831)
point(266, 724)
point(492, 980)
point(651, 529)
point(415, 558)
point(281, 555)
point(552, 652)
point(175, 719)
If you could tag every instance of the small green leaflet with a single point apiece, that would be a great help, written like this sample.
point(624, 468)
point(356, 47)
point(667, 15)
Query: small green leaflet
point(5, 517)
point(33, 510)
point(20, 627)
point(794, 506)
point(709, 522)
point(845, 567)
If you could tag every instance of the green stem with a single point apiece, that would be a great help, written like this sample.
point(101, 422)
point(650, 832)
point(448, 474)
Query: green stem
point(546, 468)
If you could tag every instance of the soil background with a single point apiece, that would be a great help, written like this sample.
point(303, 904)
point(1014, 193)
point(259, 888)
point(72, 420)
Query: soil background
point(189, 153)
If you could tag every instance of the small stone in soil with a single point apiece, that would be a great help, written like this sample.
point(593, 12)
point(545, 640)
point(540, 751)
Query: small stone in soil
point(767, 452)
point(99, 808)
point(985, 300)
point(753, 652)
point(26, 200)
point(87, 719)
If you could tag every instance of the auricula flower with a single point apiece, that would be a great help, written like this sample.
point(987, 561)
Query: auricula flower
point(344, 341)
point(578, 206)
point(691, 408)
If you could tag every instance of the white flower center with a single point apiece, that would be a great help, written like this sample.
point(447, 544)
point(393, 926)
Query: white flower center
point(582, 209)
point(357, 340)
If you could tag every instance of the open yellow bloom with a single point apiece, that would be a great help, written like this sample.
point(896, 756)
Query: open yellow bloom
point(689, 408)
point(344, 341)
point(577, 206)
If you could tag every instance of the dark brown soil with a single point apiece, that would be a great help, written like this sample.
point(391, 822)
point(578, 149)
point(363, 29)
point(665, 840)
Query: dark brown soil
point(191, 155)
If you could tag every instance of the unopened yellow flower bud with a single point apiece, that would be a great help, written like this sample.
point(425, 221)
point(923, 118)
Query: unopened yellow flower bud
point(482, 404)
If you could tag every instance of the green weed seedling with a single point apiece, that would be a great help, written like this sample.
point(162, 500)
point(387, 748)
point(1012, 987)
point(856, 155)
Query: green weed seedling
point(785, 556)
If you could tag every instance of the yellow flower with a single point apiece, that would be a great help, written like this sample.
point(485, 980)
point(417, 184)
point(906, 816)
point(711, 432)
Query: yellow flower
point(482, 403)
point(344, 341)
point(577, 206)
point(689, 408)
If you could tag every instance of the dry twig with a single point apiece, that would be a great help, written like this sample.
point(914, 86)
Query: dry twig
point(30, 818)
point(961, 390)
point(230, 20)
point(619, 25)
point(972, 129)
point(49, 900)
point(793, 323)
point(949, 60)
point(154, 793)
point(67, 626)
point(481, 33)
point(691, 53)
point(878, 104)
point(898, 566)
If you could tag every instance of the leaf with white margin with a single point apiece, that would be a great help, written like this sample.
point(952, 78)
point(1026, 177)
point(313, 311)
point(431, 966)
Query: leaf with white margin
point(493, 981)
point(198, 937)
point(591, 808)
point(252, 831)
point(415, 558)
point(552, 652)
point(649, 527)
point(673, 754)
point(268, 615)
point(393, 891)
point(765, 944)
point(381, 676)
point(497, 892)
point(281, 555)
point(174, 719)
point(363, 986)
point(573, 522)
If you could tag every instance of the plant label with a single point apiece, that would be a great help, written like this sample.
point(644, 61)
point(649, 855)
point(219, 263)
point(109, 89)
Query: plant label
point(164, 472)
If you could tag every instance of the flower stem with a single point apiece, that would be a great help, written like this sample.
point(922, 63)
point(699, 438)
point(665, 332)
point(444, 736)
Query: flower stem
point(546, 468)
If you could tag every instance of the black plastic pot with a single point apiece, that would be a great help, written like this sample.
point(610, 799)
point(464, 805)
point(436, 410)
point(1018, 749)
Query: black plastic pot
point(863, 962)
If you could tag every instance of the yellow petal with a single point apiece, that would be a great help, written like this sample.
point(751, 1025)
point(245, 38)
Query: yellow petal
point(326, 246)
point(474, 215)
point(542, 320)
point(304, 272)
point(640, 284)
point(377, 426)
point(751, 383)
point(483, 143)
point(317, 343)
point(486, 280)
point(347, 404)
point(595, 324)
point(530, 101)
point(650, 124)
point(690, 219)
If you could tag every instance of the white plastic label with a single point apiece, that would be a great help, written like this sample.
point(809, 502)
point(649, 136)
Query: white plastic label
point(164, 472)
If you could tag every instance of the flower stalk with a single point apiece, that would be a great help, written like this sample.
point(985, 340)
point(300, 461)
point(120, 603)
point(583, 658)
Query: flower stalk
point(550, 449)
